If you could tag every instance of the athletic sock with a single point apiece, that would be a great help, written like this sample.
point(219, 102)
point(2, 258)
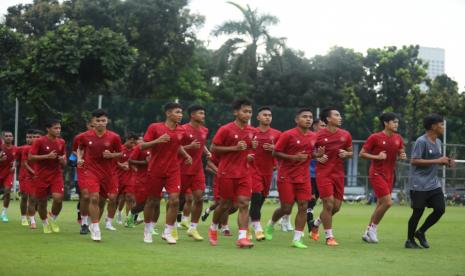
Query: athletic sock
point(32, 220)
point(45, 221)
point(329, 233)
point(184, 218)
point(372, 227)
point(4, 211)
point(54, 217)
point(298, 235)
point(214, 227)
point(23, 217)
point(317, 222)
point(225, 227)
point(257, 226)
point(271, 223)
point(242, 234)
point(148, 227)
point(193, 226)
point(168, 229)
point(84, 220)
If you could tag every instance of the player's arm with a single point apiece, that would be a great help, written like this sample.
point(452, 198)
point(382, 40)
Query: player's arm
point(241, 145)
point(402, 154)
point(366, 155)
point(346, 153)
point(39, 157)
point(207, 153)
point(186, 155)
point(193, 145)
point(137, 162)
point(28, 167)
point(444, 160)
point(160, 140)
point(302, 156)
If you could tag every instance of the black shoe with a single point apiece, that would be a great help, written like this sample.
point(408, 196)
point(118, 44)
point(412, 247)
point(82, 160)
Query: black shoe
point(84, 229)
point(205, 216)
point(79, 216)
point(412, 244)
point(422, 239)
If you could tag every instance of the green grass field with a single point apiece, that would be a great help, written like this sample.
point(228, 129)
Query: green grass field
point(28, 252)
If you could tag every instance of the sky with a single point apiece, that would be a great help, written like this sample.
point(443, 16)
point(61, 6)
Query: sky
point(315, 26)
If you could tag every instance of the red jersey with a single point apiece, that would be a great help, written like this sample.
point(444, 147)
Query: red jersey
point(23, 155)
point(165, 159)
point(378, 142)
point(139, 155)
point(333, 142)
point(264, 161)
point(293, 142)
point(126, 153)
point(94, 146)
point(233, 164)
point(200, 134)
point(47, 169)
point(5, 165)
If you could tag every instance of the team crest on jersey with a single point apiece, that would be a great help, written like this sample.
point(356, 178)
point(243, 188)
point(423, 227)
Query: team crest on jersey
point(90, 142)
point(236, 136)
point(298, 141)
point(384, 142)
point(191, 136)
point(343, 139)
point(430, 151)
point(47, 147)
point(397, 142)
point(179, 136)
point(251, 136)
point(326, 139)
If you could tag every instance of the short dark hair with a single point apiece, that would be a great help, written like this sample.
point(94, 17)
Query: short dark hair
point(387, 117)
point(194, 108)
point(52, 122)
point(316, 121)
point(132, 135)
point(99, 113)
point(6, 131)
point(30, 131)
point(237, 104)
point(432, 119)
point(264, 108)
point(38, 131)
point(302, 110)
point(171, 105)
point(325, 113)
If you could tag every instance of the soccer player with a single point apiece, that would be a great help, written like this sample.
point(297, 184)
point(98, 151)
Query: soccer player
point(261, 169)
point(233, 142)
point(7, 169)
point(192, 176)
point(98, 179)
point(425, 186)
point(83, 203)
point(165, 141)
point(126, 188)
point(139, 160)
point(316, 126)
point(24, 186)
point(382, 148)
point(330, 170)
point(294, 150)
point(27, 179)
point(47, 156)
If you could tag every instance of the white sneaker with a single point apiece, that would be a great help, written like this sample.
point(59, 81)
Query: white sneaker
point(366, 238)
point(168, 238)
point(110, 227)
point(95, 234)
point(372, 235)
point(290, 228)
point(148, 237)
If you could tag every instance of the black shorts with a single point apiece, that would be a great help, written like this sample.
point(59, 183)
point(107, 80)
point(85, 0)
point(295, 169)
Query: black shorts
point(315, 188)
point(431, 199)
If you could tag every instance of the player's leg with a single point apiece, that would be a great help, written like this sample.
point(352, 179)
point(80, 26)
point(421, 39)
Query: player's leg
point(57, 205)
point(31, 210)
point(130, 200)
point(171, 213)
point(197, 204)
point(42, 210)
point(148, 214)
point(84, 210)
point(300, 220)
point(94, 213)
point(6, 203)
point(435, 201)
point(286, 197)
point(23, 207)
point(111, 210)
point(120, 206)
point(222, 208)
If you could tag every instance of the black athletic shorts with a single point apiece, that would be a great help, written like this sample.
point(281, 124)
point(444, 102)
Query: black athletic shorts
point(315, 188)
point(431, 199)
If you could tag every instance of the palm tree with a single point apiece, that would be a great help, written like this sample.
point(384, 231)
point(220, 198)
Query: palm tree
point(242, 50)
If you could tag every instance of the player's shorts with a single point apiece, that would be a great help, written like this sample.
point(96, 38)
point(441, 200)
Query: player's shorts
point(231, 188)
point(191, 183)
point(105, 185)
point(431, 199)
point(140, 191)
point(330, 185)
point(7, 182)
point(171, 182)
point(126, 184)
point(290, 191)
point(45, 187)
point(25, 185)
point(261, 183)
point(382, 185)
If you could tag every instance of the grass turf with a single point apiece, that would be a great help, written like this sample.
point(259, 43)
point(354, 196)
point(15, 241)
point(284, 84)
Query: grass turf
point(27, 252)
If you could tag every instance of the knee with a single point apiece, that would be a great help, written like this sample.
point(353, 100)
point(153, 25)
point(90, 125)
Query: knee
point(174, 201)
point(286, 209)
point(94, 199)
point(58, 198)
point(388, 203)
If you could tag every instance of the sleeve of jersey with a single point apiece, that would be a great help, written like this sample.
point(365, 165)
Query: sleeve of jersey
point(401, 143)
point(64, 147)
point(282, 143)
point(24, 154)
point(369, 144)
point(35, 147)
point(349, 140)
point(117, 143)
point(418, 150)
point(219, 136)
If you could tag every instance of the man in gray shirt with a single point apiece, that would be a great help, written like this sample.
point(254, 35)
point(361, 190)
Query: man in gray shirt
point(425, 187)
